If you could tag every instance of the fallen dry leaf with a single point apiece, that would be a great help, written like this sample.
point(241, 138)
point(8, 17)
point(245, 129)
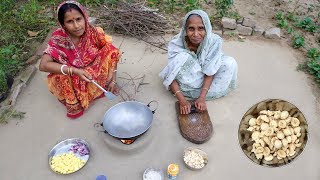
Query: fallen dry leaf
point(241, 37)
point(32, 33)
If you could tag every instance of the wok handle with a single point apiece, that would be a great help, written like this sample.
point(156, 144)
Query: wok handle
point(98, 125)
point(155, 108)
point(101, 88)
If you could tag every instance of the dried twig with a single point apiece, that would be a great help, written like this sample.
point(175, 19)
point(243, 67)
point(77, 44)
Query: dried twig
point(130, 82)
point(138, 21)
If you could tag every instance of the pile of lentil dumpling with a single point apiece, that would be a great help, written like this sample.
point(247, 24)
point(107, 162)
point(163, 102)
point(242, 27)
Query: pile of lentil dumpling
point(273, 133)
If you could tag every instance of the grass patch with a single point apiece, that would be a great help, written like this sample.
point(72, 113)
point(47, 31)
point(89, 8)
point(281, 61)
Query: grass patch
point(15, 22)
point(10, 113)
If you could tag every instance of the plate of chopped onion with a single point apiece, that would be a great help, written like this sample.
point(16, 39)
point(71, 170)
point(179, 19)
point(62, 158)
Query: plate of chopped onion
point(69, 156)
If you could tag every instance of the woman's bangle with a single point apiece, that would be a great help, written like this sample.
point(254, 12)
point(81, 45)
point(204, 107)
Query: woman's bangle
point(176, 92)
point(114, 82)
point(206, 89)
point(61, 69)
point(115, 70)
point(71, 69)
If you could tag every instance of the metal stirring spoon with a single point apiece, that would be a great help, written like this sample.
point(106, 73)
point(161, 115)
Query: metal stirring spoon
point(108, 94)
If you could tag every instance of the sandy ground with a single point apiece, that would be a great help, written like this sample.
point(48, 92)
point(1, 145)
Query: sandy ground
point(266, 70)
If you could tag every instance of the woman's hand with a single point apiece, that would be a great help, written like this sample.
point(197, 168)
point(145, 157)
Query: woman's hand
point(185, 107)
point(200, 104)
point(113, 87)
point(82, 74)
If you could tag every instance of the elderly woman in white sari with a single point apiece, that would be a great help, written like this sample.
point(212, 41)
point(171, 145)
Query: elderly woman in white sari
point(197, 67)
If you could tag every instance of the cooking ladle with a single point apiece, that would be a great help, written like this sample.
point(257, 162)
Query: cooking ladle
point(108, 94)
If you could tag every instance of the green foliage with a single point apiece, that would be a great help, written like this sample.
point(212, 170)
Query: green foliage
point(290, 30)
point(302, 67)
point(10, 113)
point(307, 24)
point(9, 65)
point(298, 41)
point(191, 5)
point(313, 53)
point(15, 21)
point(292, 17)
point(283, 23)
point(6, 5)
point(222, 7)
point(97, 2)
point(3, 82)
point(26, 16)
point(279, 15)
point(234, 15)
point(281, 20)
point(153, 3)
point(171, 5)
point(314, 69)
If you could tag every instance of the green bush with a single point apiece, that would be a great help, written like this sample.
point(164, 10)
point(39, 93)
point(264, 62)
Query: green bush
point(307, 24)
point(191, 5)
point(290, 30)
point(314, 69)
point(292, 17)
point(97, 2)
point(222, 7)
point(15, 22)
point(298, 41)
point(3, 82)
point(283, 23)
point(313, 53)
point(279, 16)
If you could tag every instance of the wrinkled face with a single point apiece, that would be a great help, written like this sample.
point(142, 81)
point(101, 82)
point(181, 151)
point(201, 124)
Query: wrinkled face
point(74, 23)
point(195, 29)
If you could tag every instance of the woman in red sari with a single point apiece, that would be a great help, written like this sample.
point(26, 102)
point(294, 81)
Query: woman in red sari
point(77, 53)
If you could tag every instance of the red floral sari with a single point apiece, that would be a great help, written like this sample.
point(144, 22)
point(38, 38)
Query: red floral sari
point(94, 53)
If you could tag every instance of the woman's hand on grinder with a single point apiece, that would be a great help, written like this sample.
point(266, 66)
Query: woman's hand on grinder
point(200, 104)
point(185, 107)
point(82, 74)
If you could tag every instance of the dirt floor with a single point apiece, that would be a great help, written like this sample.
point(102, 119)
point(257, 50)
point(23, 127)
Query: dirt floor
point(266, 70)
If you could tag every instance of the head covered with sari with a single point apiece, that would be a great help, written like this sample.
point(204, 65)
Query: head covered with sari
point(64, 51)
point(208, 53)
point(94, 53)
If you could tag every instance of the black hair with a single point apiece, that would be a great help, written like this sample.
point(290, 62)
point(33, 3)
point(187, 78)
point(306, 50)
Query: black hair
point(64, 8)
point(190, 16)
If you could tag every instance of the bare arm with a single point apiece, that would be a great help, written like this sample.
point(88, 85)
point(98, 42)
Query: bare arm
point(112, 82)
point(185, 106)
point(206, 85)
point(48, 65)
point(200, 103)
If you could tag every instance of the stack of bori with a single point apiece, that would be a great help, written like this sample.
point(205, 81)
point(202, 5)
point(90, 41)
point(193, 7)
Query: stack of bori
point(273, 132)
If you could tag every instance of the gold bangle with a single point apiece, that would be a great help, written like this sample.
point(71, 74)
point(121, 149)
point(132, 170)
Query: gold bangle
point(176, 92)
point(115, 70)
point(71, 73)
point(68, 70)
point(206, 89)
point(114, 82)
